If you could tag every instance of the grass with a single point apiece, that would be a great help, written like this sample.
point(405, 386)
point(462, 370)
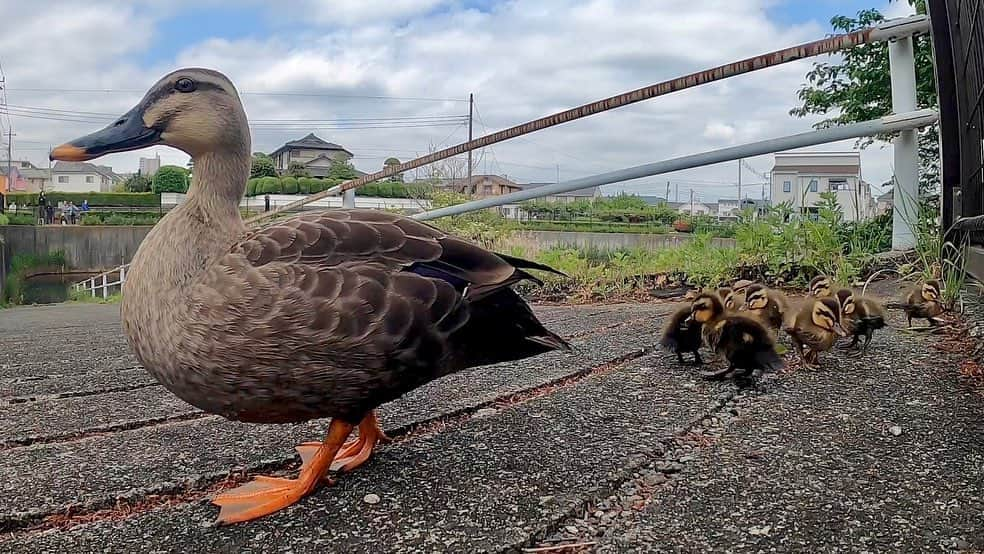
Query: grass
point(593, 227)
point(85, 297)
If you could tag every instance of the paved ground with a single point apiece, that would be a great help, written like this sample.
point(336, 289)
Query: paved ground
point(614, 446)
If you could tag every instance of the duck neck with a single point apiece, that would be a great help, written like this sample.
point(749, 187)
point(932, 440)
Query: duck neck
point(217, 187)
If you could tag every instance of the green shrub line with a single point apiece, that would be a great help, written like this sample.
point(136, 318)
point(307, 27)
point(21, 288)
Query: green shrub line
point(127, 199)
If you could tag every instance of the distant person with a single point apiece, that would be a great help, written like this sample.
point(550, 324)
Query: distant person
point(85, 205)
point(49, 214)
point(73, 213)
point(266, 203)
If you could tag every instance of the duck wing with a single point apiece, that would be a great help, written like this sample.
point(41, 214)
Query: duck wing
point(365, 289)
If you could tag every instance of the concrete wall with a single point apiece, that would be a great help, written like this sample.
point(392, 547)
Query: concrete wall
point(88, 247)
point(611, 241)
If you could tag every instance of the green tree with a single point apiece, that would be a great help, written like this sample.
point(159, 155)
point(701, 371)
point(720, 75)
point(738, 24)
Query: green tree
point(297, 169)
point(342, 169)
point(136, 183)
point(391, 162)
point(170, 178)
point(858, 88)
point(262, 166)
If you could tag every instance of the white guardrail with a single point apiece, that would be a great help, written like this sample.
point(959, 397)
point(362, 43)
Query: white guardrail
point(100, 284)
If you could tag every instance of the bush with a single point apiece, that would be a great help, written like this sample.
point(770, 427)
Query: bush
point(304, 185)
point(289, 185)
point(262, 166)
point(21, 219)
point(20, 266)
point(251, 186)
point(170, 178)
point(297, 169)
point(269, 185)
point(137, 183)
point(131, 199)
point(121, 218)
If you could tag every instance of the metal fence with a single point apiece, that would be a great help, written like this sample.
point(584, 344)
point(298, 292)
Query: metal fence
point(958, 44)
point(102, 284)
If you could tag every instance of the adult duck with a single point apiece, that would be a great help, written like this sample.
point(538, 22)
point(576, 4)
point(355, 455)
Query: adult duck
point(328, 314)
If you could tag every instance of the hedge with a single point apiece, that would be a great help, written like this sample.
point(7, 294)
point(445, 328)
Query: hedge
point(133, 199)
point(289, 185)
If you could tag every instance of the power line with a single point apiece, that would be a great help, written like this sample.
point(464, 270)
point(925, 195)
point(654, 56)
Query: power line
point(252, 93)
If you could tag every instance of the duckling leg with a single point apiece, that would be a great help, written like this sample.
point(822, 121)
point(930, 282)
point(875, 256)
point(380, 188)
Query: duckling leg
point(266, 495)
point(697, 359)
point(853, 344)
point(355, 453)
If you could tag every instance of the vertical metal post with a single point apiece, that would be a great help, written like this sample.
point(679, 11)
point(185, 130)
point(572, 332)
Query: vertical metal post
point(471, 108)
point(348, 198)
point(905, 216)
point(739, 186)
point(105, 293)
point(122, 277)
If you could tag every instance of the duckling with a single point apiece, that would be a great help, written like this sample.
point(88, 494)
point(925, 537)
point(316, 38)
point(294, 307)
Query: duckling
point(747, 345)
point(706, 311)
point(922, 302)
point(860, 316)
point(768, 305)
point(820, 286)
point(683, 334)
point(816, 326)
point(723, 292)
point(733, 300)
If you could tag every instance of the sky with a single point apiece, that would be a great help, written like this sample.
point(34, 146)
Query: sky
point(392, 78)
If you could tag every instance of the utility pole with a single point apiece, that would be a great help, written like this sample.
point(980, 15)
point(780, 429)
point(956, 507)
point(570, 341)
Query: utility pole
point(677, 199)
point(667, 191)
point(558, 173)
point(739, 185)
point(10, 148)
point(691, 203)
point(471, 109)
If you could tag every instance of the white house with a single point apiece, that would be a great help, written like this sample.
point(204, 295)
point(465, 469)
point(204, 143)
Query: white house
point(800, 177)
point(82, 177)
point(694, 208)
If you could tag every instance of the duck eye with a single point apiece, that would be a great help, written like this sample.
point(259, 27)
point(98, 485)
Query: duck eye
point(184, 84)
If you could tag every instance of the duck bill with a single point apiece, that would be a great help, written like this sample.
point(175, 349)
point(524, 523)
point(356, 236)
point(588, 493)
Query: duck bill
point(839, 330)
point(125, 134)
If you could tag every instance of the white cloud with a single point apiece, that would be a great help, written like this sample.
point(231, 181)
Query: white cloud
point(521, 60)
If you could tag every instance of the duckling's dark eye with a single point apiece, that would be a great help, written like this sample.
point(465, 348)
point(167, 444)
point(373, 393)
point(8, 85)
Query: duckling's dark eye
point(184, 84)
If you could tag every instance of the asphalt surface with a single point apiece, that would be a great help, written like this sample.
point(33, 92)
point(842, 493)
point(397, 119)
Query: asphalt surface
point(614, 446)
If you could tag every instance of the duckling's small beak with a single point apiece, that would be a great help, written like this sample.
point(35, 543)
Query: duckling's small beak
point(839, 330)
point(126, 133)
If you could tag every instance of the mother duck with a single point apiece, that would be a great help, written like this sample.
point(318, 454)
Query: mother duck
point(320, 315)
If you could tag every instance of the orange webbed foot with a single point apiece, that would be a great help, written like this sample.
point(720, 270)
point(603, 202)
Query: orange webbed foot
point(357, 452)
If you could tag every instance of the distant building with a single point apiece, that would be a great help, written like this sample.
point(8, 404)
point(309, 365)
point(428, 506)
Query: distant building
point(885, 202)
point(315, 154)
point(82, 177)
point(727, 208)
point(497, 185)
point(26, 177)
point(800, 177)
point(694, 208)
point(149, 166)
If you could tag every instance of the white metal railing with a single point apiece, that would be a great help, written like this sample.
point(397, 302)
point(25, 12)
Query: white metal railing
point(100, 284)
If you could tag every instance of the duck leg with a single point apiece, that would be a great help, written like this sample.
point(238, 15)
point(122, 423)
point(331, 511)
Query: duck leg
point(357, 452)
point(266, 495)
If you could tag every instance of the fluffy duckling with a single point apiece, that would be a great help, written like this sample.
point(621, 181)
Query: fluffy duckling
point(733, 300)
point(860, 316)
point(821, 286)
point(816, 326)
point(768, 305)
point(747, 345)
point(922, 302)
point(706, 310)
point(683, 334)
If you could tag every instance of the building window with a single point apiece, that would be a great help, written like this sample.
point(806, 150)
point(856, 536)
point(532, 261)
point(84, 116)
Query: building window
point(838, 184)
point(487, 190)
point(90, 179)
point(63, 178)
point(813, 185)
point(787, 186)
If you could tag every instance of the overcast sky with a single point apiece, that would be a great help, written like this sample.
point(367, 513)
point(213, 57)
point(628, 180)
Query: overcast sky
point(405, 66)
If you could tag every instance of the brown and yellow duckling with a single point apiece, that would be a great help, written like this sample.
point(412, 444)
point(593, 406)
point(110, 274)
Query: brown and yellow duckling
point(683, 334)
point(816, 327)
point(860, 317)
point(733, 300)
point(821, 286)
point(923, 302)
point(767, 305)
point(744, 342)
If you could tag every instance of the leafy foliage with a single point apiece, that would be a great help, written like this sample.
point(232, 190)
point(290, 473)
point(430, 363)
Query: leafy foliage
point(20, 266)
point(297, 169)
point(262, 166)
point(342, 170)
point(269, 185)
point(136, 183)
point(616, 209)
point(135, 199)
point(289, 184)
point(120, 218)
point(170, 178)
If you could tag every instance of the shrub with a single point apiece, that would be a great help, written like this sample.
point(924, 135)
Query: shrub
point(20, 266)
point(262, 166)
point(170, 178)
point(4, 220)
point(137, 183)
point(251, 186)
point(21, 219)
point(120, 218)
point(269, 185)
point(289, 185)
point(304, 185)
point(133, 199)
point(297, 169)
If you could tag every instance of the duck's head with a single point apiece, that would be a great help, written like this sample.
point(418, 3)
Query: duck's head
point(846, 299)
point(931, 290)
point(706, 307)
point(194, 110)
point(756, 297)
point(826, 315)
point(820, 286)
